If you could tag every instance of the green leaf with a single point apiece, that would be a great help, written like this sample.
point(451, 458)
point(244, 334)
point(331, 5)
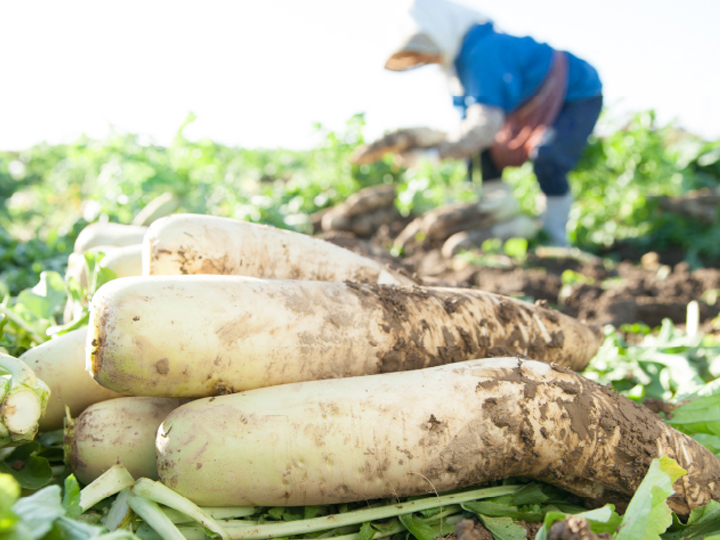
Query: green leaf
point(701, 415)
point(503, 507)
point(503, 528)
point(529, 504)
point(46, 298)
point(71, 497)
point(311, 511)
point(601, 520)
point(9, 490)
point(366, 532)
point(51, 438)
point(422, 530)
point(385, 527)
point(701, 522)
point(119, 534)
point(39, 511)
point(103, 276)
point(70, 529)
point(493, 245)
point(516, 248)
point(30, 470)
point(532, 494)
point(648, 514)
point(711, 442)
point(9, 493)
point(70, 326)
point(276, 512)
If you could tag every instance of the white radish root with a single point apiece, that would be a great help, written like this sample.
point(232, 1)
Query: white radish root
point(196, 244)
point(195, 336)
point(108, 234)
point(60, 363)
point(117, 430)
point(424, 431)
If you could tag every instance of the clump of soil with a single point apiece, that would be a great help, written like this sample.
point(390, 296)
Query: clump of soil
point(574, 528)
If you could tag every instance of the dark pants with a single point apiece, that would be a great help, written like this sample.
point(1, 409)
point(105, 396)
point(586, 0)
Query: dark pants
point(560, 149)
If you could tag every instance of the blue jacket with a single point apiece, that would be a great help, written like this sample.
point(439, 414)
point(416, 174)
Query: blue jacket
point(505, 71)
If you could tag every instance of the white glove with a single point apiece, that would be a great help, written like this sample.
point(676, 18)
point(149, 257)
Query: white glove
point(475, 133)
point(412, 158)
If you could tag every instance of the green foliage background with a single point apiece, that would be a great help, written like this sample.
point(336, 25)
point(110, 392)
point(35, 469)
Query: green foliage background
point(49, 193)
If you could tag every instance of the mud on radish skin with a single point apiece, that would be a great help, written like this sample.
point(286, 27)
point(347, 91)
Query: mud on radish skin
point(197, 336)
point(121, 429)
point(435, 429)
point(198, 244)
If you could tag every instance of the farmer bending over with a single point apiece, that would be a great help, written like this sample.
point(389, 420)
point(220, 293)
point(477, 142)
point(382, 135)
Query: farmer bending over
point(521, 100)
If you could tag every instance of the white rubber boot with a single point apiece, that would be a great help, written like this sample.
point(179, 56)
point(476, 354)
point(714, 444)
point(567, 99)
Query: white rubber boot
point(555, 217)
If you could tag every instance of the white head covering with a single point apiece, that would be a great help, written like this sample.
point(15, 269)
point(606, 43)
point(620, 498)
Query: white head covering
point(444, 22)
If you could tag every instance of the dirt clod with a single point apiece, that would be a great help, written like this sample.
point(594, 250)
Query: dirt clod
point(574, 528)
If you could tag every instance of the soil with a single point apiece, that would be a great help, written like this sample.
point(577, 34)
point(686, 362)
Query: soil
point(641, 288)
point(574, 528)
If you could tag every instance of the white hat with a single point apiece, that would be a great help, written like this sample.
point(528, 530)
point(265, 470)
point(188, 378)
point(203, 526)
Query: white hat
point(433, 28)
point(444, 23)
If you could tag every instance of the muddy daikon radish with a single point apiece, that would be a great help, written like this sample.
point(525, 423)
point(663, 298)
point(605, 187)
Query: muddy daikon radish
point(196, 244)
point(121, 429)
point(424, 431)
point(195, 336)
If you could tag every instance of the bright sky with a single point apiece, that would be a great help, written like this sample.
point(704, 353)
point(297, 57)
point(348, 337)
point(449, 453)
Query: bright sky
point(259, 73)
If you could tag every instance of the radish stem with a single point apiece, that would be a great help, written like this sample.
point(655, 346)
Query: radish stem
point(355, 517)
point(112, 481)
point(151, 513)
point(23, 400)
point(157, 492)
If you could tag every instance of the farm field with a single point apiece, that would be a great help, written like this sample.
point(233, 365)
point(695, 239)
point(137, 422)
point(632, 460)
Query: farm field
point(644, 272)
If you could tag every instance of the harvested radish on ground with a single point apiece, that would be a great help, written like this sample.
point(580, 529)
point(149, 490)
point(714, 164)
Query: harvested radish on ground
point(424, 431)
point(108, 234)
point(369, 199)
point(195, 336)
point(442, 222)
point(23, 398)
point(60, 363)
point(363, 212)
point(196, 244)
point(121, 429)
point(396, 142)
